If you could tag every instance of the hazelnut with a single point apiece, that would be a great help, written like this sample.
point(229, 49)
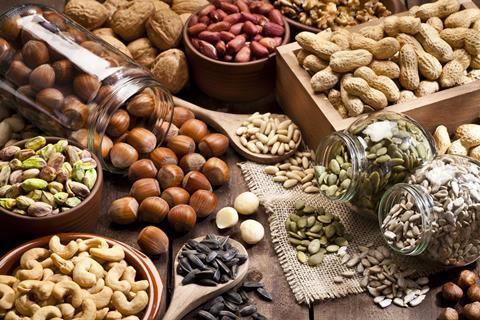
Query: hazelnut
point(175, 196)
point(50, 98)
point(35, 53)
point(466, 279)
point(124, 210)
point(119, 123)
point(162, 156)
point(181, 145)
point(192, 162)
point(448, 314)
point(195, 129)
point(170, 175)
point(182, 218)
point(473, 293)
point(86, 87)
point(472, 311)
point(203, 202)
point(11, 27)
point(216, 171)
point(142, 104)
point(18, 73)
point(213, 145)
point(75, 112)
point(152, 241)
point(63, 71)
point(100, 143)
point(144, 188)
point(194, 181)
point(123, 155)
point(143, 168)
point(451, 292)
point(6, 51)
point(55, 19)
point(153, 210)
point(181, 115)
point(42, 77)
point(167, 130)
point(27, 91)
point(142, 139)
point(75, 34)
point(95, 47)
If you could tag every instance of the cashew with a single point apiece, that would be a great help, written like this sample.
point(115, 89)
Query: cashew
point(46, 313)
point(12, 315)
point(113, 315)
point(61, 289)
point(33, 254)
point(65, 266)
point(113, 278)
point(129, 275)
point(7, 297)
point(97, 287)
point(8, 280)
point(85, 245)
point(34, 271)
point(131, 318)
point(42, 289)
point(59, 278)
point(102, 298)
point(113, 254)
point(47, 263)
point(47, 273)
point(137, 304)
point(89, 311)
point(66, 252)
point(86, 272)
point(25, 306)
point(101, 314)
point(67, 310)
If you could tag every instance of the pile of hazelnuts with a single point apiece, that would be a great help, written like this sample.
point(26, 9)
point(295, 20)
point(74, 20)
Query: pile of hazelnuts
point(453, 293)
point(175, 182)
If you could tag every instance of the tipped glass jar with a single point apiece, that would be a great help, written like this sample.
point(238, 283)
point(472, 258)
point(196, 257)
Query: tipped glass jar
point(436, 214)
point(374, 153)
point(72, 84)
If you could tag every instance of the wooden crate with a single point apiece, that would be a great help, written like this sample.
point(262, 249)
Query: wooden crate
point(317, 117)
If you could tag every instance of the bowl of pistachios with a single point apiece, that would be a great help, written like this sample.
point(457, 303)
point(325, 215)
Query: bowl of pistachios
point(48, 185)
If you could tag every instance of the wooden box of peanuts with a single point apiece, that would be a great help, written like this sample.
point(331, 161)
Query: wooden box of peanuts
point(424, 62)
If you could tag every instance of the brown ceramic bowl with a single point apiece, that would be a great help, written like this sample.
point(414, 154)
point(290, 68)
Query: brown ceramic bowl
point(232, 81)
point(81, 218)
point(146, 270)
point(395, 6)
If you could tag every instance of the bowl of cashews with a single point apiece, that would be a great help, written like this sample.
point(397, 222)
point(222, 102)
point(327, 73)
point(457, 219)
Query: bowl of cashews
point(78, 276)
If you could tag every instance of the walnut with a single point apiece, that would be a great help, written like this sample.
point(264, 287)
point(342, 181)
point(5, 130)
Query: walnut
point(104, 31)
point(90, 14)
point(171, 69)
point(158, 4)
point(188, 6)
point(143, 51)
point(164, 29)
point(129, 23)
point(185, 17)
point(114, 42)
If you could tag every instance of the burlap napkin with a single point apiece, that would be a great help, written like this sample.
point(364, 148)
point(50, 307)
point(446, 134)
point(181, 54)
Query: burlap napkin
point(311, 284)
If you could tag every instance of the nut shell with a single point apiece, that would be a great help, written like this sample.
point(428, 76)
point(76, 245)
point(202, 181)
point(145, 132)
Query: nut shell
point(143, 104)
point(153, 210)
point(35, 53)
point(216, 171)
point(18, 73)
point(170, 175)
point(123, 155)
point(194, 181)
point(203, 202)
point(86, 87)
point(162, 156)
point(192, 162)
point(182, 218)
point(119, 123)
point(144, 168)
point(213, 145)
point(171, 69)
point(195, 129)
point(152, 241)
point(42, 77)
point(466, 279)
point(50, 98)
point(142, 139)
point(451, 292)
point(124, 210)
point(129, 23)
point(143, 51)
point(175, 196)
point(181, 115)
point(473, 293)
point(63, 71)
point(144, 188)
point(89, 13)
point(181, 145)
point(164, 29)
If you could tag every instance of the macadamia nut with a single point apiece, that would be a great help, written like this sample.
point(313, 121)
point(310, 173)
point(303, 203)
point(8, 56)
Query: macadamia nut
point(251, 231)
point(246, 203)
point(226, 218)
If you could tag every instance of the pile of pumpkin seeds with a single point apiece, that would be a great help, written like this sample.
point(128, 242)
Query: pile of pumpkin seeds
point(236, 303)
point(386, 281)
point(209, 262)
point(314, 233)
point(335, 179)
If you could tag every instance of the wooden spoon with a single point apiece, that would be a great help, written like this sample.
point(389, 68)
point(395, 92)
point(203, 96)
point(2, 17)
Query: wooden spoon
point(188, 297)
point(228, 123)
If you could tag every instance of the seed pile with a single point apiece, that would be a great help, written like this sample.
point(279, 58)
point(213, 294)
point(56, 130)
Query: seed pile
point(209, 262)
point(453, 182)
point(236, 304)
point(403, 224)
point(314, 233)
point(386, 281)
point(263, 133)
point(45, 179)
point(335, 179)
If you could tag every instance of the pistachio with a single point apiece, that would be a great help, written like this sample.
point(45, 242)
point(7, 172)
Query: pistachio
point(78, 189)
point(34, 184)
point(55, 187)
point(34, 162)
point(48, 173)
point(23, 202)
point(9, 152)
point(47, 197)
point(30, 173)
point(15, 164)
point(60, 197)
point(7, 203)
point(5, 175)
point(24, 154)
point(73, 202)
point(39, 209)
point(35, 143)
point(90, 178)
point(61, 145)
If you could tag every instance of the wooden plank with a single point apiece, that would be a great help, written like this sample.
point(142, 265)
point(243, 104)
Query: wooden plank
point(262, 256)
point(317, 117)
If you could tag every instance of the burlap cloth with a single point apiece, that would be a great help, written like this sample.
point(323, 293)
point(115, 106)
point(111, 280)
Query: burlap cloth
point(307, 283)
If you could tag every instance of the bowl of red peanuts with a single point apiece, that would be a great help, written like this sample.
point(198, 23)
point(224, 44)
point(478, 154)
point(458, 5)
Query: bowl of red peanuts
point(231, 45)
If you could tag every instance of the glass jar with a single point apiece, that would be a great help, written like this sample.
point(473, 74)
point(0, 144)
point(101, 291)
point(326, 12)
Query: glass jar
point(374, 153)
point(436, 214)
point(70, 83)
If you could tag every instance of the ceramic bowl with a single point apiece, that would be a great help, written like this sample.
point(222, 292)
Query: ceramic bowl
point(81, 218)
point(232, 81)
point(146, 270)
